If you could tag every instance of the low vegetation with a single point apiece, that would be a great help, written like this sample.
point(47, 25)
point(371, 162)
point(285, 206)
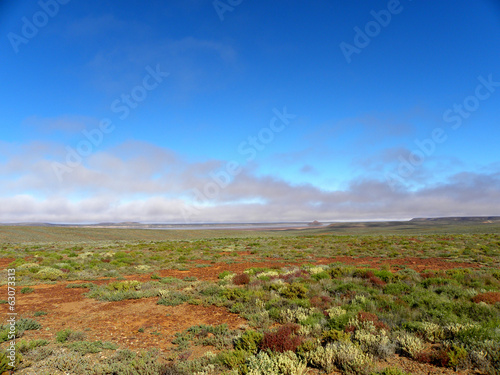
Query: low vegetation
point(301, 314)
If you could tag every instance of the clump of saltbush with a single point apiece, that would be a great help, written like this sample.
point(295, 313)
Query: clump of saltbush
point(344, 356)
point(249, 341)
point(409, 344)
point(49, 273)
point(286, 363)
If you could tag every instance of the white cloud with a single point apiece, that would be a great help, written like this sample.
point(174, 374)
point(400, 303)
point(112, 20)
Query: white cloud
point(137, 181)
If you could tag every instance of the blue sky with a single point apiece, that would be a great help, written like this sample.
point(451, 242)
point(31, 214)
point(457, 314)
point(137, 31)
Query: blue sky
point(202, 110)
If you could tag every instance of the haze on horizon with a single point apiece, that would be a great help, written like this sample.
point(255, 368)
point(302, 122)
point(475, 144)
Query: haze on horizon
point(241, 111)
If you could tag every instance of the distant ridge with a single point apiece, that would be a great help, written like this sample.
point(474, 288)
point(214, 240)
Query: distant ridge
point(48, 232)
point(314, 224)
point(431, 223)
point(459, 218)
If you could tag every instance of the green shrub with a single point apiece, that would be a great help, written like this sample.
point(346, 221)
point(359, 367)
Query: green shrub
point(181, 340)
point(295, 315)
point(459, 273)
point(237, 308)
point(349, 288)
point(67, 334)
point(314, 319)
point(457, 356)
point(278, 364)
point(30, 269)
point(410, 344)
point(437, 281)
point(27, 324)
point(294, 291)
point(452, 292)
point(333, 335)
point(275, 313)
point(455, 330)
point(339, 271)
point(85, 347)
point(224, 274)
point(491, 348)
point(470, 311)
point(496, 274)
point(234, 294)
point(385, 275)
point(49, 273)
point(304, 303)
point(211, 290)
point(249, 341)
point(123, 290)
point(340, 322)
point(409, 275)
point(173, 299)
point(69, 362)
point(321, 275)
point(344, 356)
point(124, 285)
point(431, 332)
point(6, 335)
point(470, 335)
point(27, 290)
point(376, 343)
point(221, 337)
point(5, 361)
point(234, 359)
point(24, 346)
point(308, 345)
point(82, 285)
point(397, 289)
point(170, 280)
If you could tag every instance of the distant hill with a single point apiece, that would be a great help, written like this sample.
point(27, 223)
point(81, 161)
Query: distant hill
point(460, 219)
point(315, 223)
point(463, 224)
point(47, 232)
point(399, 225)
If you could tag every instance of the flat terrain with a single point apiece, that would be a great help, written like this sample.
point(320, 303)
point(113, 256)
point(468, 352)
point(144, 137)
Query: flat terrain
point(342, 299)
point(129, 232)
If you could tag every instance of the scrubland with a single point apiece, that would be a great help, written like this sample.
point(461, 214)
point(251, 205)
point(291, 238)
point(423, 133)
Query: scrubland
point(301, 302)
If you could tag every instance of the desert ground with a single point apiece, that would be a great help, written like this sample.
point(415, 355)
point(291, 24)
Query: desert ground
point(420, 298)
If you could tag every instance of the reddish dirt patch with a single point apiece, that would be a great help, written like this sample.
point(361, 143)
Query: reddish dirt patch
point(4, 262)
point(212, 273)
point(418, 264)
point(415, 240)
point(117, 322)
point(488, 297)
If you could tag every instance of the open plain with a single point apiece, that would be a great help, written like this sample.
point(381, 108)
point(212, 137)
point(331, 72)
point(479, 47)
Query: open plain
point(367, 298)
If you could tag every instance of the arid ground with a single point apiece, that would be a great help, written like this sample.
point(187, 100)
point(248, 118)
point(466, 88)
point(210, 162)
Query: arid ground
point(190, 267)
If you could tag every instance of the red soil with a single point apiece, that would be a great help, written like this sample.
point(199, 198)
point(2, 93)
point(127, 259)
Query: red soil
point(119, 322)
